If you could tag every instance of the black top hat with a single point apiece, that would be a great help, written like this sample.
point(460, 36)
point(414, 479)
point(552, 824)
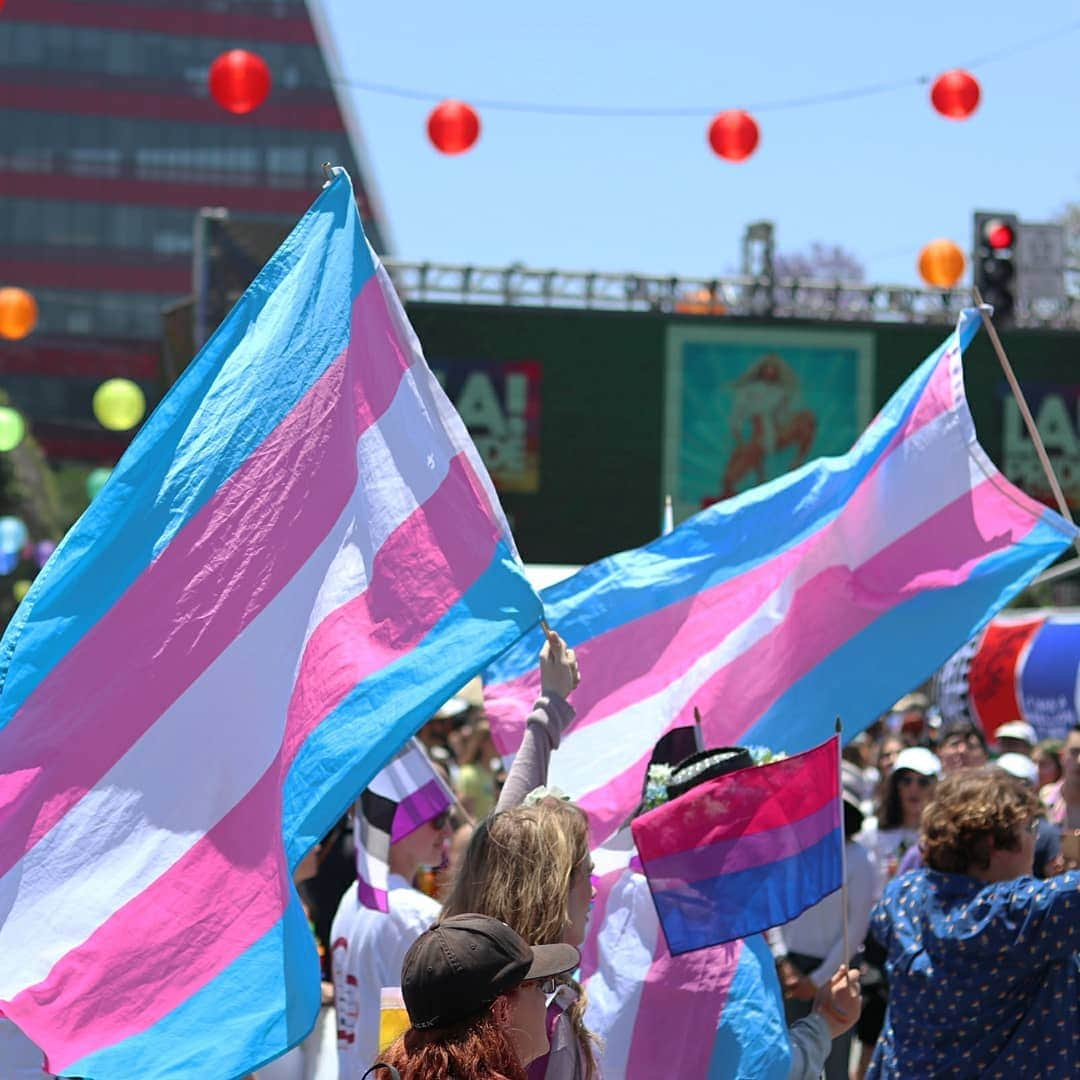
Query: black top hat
point(460, 966)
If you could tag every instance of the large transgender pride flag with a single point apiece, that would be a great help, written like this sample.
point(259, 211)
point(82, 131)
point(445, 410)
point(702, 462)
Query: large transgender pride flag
point(297, 560)
point(831, 590)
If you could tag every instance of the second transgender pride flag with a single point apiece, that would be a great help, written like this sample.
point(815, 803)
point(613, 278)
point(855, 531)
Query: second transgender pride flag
point(744, 852)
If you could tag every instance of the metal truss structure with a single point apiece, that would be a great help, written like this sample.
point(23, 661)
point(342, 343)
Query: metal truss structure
point(732, 295)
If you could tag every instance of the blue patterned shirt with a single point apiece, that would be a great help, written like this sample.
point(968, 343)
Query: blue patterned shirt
point(983, 979)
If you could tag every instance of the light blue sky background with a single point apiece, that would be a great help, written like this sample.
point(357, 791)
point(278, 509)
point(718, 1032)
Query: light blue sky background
point(880, 176)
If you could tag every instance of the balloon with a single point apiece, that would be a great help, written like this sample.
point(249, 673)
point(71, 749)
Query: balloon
point(941, 264)
point(12, 428)
point(96, 481)
point(734, 134)
point(453, 127)
point(19, 590)
point(13, 535)
point(955, 94)
point(42, 550)
point(18, 313)
point(239, 81)
point(119, 404)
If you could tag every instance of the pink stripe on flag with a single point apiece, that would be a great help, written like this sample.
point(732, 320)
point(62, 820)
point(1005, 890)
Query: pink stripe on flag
point(186, 921)
point(227, 541)
point(447, 544)
point(677, 992)
point(729, 855)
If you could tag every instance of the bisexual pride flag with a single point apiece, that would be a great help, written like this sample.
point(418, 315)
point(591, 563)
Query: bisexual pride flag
point(745, 851)
point(833, 589)
point(297, 560)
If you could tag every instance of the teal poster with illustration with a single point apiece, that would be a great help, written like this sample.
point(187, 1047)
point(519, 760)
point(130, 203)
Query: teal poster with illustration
point(746, 405)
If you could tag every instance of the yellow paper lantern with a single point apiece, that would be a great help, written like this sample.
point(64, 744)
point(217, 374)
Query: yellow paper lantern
point(119, 404)
point(18, 313)
point(19, 590)
point(941, 264)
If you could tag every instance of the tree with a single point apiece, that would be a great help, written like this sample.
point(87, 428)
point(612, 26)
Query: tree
point(823, 262)
point(28, 492)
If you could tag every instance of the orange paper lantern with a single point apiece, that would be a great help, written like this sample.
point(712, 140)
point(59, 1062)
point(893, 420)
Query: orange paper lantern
point(955, 94)
point(18, 313)
point(239, 81)
point(734, 135)
point(453, 127)
point(700, 302)
point(941, 264)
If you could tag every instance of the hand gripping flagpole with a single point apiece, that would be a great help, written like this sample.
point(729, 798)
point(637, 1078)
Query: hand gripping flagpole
point(843, 840)
point(1025, 412)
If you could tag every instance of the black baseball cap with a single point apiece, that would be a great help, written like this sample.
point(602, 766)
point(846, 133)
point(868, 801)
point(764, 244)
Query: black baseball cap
point(461, 965)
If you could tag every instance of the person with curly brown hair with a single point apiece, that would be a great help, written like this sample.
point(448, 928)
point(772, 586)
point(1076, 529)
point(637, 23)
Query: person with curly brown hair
point(981, 956)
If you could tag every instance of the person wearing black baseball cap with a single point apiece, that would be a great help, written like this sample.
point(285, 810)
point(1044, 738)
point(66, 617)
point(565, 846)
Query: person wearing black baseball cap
point(476, 995)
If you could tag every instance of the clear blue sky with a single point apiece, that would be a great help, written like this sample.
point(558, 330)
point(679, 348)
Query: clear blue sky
point(880, 176)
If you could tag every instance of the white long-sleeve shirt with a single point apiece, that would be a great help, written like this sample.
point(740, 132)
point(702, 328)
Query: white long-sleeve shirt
point(818, 931)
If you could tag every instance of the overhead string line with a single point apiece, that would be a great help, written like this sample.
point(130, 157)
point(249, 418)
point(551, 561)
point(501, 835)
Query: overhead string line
point(654, 112)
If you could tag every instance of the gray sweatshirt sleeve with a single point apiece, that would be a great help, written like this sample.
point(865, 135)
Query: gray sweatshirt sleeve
point(810, 1046)
point(544, 728)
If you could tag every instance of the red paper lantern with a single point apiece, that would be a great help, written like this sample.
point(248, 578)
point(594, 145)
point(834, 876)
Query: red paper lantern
point(734, 134)
point(453, 127)
point(18, 313)
point(941, 264)
point(955, 94)
point(239, 81)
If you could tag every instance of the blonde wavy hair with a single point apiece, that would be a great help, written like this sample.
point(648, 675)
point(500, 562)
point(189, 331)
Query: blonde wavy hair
point(519, 867)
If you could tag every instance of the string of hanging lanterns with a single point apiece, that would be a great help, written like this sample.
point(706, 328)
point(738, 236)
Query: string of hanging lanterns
point(240, 82)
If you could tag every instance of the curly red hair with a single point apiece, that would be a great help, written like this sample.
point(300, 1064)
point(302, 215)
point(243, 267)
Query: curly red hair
point(970, 809)
point(476, 1049)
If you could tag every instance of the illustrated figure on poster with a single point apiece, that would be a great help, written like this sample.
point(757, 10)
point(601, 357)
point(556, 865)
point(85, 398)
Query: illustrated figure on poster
point(765, 419)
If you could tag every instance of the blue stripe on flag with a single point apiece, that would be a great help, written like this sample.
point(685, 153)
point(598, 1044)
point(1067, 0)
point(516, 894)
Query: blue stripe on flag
point(272, 989)
point(220, 410)
point(734, 905)
point(369, 726)
point(752, 1038)
point(707, 550)
point(926, 628)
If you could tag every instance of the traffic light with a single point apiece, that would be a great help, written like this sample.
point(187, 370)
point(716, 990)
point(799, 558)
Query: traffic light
point(994, 261)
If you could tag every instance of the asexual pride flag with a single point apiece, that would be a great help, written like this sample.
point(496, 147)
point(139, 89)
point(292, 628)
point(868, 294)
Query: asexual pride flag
point(404, 795)
point(746, 851)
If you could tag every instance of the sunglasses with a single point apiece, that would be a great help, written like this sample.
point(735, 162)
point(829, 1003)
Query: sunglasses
point(439, 822)
point(904, 778)
point(546, 986)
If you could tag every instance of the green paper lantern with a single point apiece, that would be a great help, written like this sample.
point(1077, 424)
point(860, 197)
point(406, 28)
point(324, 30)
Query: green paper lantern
point(12, 428)
point(119, 404)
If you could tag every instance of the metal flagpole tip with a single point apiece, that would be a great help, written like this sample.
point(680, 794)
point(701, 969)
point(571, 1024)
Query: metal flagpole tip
point(330, 171)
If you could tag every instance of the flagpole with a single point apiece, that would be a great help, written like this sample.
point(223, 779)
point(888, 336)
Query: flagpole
point(843, 841)
point(1025, 412)
point(667, 517)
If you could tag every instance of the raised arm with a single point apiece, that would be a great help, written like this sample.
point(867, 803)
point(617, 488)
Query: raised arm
point(551, 716)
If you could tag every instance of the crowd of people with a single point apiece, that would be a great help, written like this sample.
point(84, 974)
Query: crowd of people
point(963, 911)
point(962, 918)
